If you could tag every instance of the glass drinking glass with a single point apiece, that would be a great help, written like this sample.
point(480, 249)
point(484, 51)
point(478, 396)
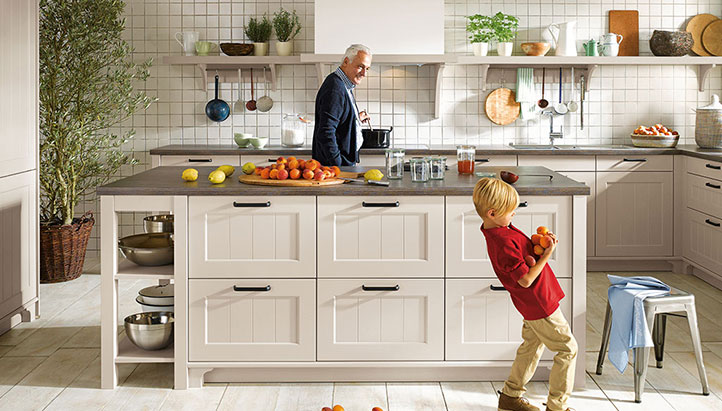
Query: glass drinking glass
point(395, 163)
point(419, 169)
point(437, 166)
point(465, 159)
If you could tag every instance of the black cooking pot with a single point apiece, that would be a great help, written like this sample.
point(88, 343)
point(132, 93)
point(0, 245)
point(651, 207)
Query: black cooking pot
point(376, 138)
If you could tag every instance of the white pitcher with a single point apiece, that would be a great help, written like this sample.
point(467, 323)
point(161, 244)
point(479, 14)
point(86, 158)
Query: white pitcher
point(565, 40)
point(187, 40)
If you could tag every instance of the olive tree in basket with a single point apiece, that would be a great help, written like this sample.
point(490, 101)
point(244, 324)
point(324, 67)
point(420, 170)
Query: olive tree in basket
point(88, 84)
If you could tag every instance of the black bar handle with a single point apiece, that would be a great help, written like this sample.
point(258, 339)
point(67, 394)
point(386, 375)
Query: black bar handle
point(251, 205)
point(482, 160)
point(394, 288)
point(710, 185)
point(713, 167)
point(524, 204)
point(712, 223)
point(272, 160)
point(636, 160)
point(497, 288)
point(365, 204)
point(252, 289)
point(199, 160)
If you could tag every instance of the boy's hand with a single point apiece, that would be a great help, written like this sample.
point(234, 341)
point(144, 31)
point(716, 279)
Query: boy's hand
point(549, 250)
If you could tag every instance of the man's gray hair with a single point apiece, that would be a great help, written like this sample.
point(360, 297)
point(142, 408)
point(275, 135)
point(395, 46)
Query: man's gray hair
point(353, 50)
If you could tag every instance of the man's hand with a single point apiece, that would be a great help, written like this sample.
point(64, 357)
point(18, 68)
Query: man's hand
point(549, 250)
point(364, 117)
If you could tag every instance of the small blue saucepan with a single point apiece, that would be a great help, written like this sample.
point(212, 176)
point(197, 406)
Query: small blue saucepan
point(217, 110)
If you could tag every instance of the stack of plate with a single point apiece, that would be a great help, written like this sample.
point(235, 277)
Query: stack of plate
point(156, 298)
point(706, 31)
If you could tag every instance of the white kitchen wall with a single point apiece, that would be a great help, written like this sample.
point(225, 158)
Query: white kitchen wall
point(620, 98)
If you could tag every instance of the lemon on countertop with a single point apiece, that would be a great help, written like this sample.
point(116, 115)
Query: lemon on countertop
point(374, 175)
point(227, 170)
point(217, 177)
point(249, 168)
point(190, 174)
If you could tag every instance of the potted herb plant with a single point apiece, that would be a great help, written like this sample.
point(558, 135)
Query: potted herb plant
point(287, 27)
point(505, 28)
point(87, 80)
point(259, 32)
point(480, 34)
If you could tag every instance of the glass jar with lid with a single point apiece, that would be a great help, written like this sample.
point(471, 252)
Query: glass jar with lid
point(437, 167)
point(395, 163)
point(465, 157)
point(419, 169)
point(293, 130)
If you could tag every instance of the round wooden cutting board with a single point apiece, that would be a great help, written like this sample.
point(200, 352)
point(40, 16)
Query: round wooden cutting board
point(696, 26)
point(712, 38)
point(501, 106)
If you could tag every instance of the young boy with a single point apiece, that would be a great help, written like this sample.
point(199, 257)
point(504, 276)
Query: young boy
point(535, 292)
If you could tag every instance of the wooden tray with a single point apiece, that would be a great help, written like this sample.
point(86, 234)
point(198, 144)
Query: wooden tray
point(501, 106)
point(696, 26)
point(257, 180)
point(626, 23)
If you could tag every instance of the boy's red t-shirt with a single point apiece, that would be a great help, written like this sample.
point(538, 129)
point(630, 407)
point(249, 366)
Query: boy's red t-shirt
point(507, 247)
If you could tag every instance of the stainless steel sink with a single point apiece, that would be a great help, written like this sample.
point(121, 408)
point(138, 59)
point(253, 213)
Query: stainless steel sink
point(568, 147)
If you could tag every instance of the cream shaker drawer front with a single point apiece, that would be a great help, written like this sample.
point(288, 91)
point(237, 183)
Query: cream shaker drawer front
point(633, 162)
point(381, 236)
point(252, 320)
point(252, 237)
point(372, 160)
point(466, 254)
point(702, 167)
point(704, 195)
point(199, 160)
point(703, 240)
point(483, 324)
point(376, 320)
point(634, 214)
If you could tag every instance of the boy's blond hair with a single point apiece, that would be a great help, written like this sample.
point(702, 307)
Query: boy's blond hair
point(492, 193)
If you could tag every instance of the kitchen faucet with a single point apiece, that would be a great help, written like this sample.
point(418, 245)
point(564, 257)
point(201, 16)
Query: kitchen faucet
point(552, 134)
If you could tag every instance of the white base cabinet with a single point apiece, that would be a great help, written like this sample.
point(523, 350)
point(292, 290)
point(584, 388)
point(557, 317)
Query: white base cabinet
point(373, 319)
point(483, 324)
point(252, 320)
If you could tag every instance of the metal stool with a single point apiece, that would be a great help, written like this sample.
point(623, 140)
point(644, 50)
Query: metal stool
point(676, 301)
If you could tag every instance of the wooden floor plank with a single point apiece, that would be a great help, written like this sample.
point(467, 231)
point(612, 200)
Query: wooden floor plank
point(360, 396)
point(146, 388)
point(681, 388)
point(469, 396)
point(14, 369)
point(415, 397)
point(242, 397)
point(207, 398)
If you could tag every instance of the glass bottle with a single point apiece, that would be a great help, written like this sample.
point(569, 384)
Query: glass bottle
point(419, 169)
point(395, 163)
point(465, 156)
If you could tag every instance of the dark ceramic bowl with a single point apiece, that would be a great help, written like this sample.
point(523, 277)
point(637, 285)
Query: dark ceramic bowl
point(671, 43)
point(236, 49)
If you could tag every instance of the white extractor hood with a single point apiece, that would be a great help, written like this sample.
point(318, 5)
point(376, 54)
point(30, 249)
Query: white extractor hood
point(385, 26)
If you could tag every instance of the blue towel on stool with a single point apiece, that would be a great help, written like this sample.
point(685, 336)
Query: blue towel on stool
point(629, 324)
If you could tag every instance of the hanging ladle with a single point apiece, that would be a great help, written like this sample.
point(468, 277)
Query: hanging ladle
point(238, 106)
point(265, 103)
point(251, 104)
point(543, 103)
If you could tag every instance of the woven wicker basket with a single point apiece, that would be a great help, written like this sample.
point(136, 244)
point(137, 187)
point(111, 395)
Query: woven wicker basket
point(62, 249)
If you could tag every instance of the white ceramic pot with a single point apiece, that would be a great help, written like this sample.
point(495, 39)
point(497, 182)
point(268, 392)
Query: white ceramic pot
point(284, 48)
point(480, 49)
point(260, 49)
point(504, 48)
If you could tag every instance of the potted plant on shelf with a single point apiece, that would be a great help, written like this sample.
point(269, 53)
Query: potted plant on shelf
point(87, 80)
point(480, 33)
point(287, 27)
point(259, 31)
point(505, 27)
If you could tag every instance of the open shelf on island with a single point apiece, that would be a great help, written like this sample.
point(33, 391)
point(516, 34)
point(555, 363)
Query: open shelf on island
point(130, 353)
point(131, 271)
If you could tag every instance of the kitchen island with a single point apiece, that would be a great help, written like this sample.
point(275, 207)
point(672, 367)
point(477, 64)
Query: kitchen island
point(339, 283)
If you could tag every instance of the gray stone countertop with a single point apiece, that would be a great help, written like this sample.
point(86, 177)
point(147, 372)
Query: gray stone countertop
point(448, 150)
point(167, 181)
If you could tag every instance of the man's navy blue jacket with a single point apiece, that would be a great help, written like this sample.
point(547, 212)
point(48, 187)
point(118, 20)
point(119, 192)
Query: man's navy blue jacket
point(334, 135)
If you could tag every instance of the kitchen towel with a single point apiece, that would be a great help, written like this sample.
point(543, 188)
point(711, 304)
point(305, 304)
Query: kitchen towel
point(525, 93)
point(629, 324)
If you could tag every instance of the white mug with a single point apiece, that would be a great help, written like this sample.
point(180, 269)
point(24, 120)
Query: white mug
point(611, 38)
point(187, 40)
point(609, 49)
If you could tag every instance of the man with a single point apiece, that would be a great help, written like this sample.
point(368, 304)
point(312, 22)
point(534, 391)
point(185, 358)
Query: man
point(337, 133)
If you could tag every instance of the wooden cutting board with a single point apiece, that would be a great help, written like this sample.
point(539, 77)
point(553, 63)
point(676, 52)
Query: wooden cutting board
point(257, 180)
point(626, 23)
point(501, 106)
point(712, 38)
point(696, 26)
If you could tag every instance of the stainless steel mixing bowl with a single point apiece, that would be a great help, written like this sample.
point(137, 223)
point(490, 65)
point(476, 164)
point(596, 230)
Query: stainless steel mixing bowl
point(151, 330)
point(162, 223)
point(151, 249)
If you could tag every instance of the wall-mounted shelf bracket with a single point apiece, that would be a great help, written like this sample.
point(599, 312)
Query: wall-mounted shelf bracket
point(703, 71)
